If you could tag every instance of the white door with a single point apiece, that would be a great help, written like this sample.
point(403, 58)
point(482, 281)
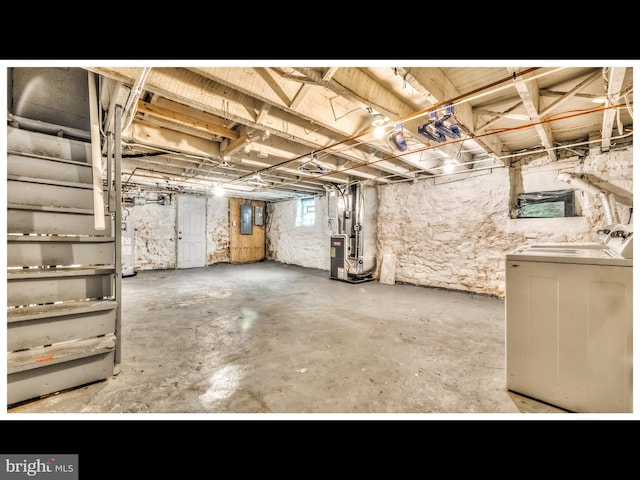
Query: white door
point(191, 231)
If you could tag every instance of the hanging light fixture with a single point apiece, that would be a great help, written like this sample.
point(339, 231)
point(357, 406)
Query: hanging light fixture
point(257, 181)
point(313, 165)
point(449, 165)
point(378, 120)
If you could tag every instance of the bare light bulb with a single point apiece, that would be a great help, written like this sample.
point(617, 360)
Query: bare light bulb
point(449, 166)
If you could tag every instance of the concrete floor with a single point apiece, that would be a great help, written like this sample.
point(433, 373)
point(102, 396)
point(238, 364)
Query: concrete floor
point(269, 338)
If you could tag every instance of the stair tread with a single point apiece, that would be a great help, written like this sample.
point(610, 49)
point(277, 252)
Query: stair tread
point(61, 238)
point(46, 208)
point(59, 309)
point(14, 274)
point(59, 353)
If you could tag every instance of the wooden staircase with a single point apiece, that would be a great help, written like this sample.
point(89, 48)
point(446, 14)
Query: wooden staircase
point(62, 310)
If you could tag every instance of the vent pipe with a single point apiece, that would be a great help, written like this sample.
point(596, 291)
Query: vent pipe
point(603, 196)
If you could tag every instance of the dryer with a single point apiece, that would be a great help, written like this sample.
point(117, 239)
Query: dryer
point(569, 325)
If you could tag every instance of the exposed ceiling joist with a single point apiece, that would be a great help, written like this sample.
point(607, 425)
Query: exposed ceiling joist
point(225, 123)
point(529, 93)
point(186, 120)
point(614, 82)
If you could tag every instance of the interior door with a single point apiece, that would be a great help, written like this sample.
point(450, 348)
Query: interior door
point(191, 231)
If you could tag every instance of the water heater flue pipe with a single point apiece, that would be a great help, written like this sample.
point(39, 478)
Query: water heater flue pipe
point(603, 195)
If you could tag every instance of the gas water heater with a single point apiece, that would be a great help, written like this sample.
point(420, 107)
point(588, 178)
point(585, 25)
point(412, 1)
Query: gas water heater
point(346, 248)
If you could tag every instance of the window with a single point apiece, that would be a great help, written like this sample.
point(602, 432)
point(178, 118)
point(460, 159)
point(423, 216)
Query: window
point(306, 214)
point(545, 204)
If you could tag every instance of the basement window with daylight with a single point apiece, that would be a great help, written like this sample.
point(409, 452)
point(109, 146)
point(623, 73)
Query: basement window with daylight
point(306, 214)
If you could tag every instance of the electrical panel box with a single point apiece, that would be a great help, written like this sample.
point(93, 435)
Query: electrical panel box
point(246, 219)
point(128, 248)
point(258, 218)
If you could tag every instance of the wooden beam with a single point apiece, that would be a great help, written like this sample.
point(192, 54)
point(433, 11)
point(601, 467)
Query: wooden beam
point(614, 85)
point(173, 116)
point(529, 93)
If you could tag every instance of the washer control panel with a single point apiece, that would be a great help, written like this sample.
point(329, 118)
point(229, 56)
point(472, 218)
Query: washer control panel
point(620, 240)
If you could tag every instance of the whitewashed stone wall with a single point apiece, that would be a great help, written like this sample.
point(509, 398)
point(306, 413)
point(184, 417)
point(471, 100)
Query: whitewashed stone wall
point(450, 235)
point(455, 235)
point(217, 230)
point(611, 171)
point(155, 232)
point(155, 235)
point(304, 246)
point(448, 232)
point(310, 246)
point(614, 171)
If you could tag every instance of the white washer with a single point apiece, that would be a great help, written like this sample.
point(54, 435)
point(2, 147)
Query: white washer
point(569, 325)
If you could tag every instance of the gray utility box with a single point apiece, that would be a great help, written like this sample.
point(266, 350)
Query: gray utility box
point(339, 253)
